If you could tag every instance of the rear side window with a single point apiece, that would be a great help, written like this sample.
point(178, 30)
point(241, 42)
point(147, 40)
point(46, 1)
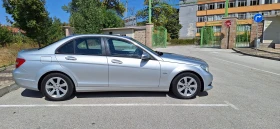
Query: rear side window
point(88, 46)
point(67, 48)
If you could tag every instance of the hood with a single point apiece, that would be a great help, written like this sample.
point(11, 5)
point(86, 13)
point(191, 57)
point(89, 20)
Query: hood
point(170, 57)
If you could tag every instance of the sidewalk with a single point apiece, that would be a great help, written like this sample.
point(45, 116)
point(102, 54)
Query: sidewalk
point(6, 80)
point(268, 53)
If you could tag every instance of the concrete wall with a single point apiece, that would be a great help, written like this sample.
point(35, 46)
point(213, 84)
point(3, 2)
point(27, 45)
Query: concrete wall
point(271, 32)
point(127, 32)
point(140, 35)
point(187, 18)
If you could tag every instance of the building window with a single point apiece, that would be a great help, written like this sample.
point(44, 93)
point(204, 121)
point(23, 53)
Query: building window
point(198, 29)
point(231, 15)
point(210, 18)
point(221, 5)
point(231, 4)
point(211, 6)
point(243, 28)
point(242, 3)
point(266, 13)
point(200, 19)
point(277, 12)
point(201, 7)
point(268, 2)
point(241, 16)
point(251, 15)
point(217, 28)
point(254, 2)
point(219, 17)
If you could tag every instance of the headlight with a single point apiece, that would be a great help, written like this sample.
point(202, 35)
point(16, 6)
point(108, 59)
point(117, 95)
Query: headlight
point(206, 68)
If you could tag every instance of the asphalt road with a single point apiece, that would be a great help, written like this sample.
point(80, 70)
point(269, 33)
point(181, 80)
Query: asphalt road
point(245, 95)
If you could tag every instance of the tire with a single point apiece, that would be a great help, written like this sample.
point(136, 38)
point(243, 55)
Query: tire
point(184, 90)
point(55, 91)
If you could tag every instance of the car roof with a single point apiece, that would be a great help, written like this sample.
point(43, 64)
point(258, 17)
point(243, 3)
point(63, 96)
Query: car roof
point(101, 35)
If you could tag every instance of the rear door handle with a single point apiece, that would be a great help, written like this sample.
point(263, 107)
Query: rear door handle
point(116, 61)
point(70, 58)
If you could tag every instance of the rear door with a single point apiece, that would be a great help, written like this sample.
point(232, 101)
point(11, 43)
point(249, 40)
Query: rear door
point(85, 58)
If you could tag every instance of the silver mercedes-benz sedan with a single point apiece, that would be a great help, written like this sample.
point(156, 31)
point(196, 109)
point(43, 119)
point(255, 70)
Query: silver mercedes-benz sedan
point(95, 63)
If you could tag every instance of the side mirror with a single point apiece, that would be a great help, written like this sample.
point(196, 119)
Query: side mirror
point(145, 56)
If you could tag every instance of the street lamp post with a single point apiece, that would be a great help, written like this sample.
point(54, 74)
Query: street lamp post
point(150, 11)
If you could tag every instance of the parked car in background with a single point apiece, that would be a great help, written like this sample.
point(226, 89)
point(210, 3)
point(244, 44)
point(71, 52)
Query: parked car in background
point(94, 63)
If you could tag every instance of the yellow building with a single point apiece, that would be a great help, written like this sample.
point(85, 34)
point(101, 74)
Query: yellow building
point(194, 14)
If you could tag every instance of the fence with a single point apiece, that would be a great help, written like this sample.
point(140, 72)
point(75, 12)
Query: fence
point(159, 36)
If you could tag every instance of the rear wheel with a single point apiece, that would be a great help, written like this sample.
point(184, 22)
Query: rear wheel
point(57, 87)
point(186, 85)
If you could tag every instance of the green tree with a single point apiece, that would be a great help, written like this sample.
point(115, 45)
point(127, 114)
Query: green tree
point(6, 36)
point(31, 16)
point(164, 15)
point(55, 31)
point(90, 16)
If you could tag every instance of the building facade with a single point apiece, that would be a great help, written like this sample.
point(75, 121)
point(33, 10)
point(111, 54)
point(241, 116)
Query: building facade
point(195, 14)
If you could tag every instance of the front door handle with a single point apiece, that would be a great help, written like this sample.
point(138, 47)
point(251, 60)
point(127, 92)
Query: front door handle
point(70, 58)
point(116, 61)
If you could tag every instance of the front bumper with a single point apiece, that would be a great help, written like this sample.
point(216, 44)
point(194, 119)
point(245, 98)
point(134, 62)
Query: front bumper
point(208, 79)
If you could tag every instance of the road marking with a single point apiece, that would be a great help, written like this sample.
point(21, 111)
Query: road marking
point(247, 66)
point(231, 105)
point(118, 105)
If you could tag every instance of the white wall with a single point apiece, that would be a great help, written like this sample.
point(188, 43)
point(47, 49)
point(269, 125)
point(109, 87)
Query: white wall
point(127, 32)
point(271, 32)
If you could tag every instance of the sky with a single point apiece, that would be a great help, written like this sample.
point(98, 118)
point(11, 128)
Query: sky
point(55, 10)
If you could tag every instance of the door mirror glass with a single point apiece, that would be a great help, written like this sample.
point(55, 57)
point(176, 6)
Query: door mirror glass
point(145, 56)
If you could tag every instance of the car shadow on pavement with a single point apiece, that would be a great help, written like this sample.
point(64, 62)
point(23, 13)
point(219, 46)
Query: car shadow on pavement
point(120, 94)
point(38, 94)
point(31, 94)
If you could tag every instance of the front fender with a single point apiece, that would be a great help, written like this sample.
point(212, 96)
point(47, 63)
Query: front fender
point(184, 68)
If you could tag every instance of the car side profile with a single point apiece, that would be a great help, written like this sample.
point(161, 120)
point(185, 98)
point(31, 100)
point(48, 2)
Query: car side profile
point(95, 63)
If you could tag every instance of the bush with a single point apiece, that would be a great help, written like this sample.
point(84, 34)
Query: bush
point(6, 36)
point(183, 41)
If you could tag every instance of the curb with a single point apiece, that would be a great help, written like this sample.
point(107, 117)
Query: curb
point(8, 89)
point(268, 51)
point(265, 57)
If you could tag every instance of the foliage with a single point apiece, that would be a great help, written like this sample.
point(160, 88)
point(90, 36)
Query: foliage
point(208, 35)
point(183, 41)
point(163, 14)
point(9, 53)
point(244, 37)
point(55, 31)
point(90, 16)
point(29, 15)
point(5, 36)
point(114, 5)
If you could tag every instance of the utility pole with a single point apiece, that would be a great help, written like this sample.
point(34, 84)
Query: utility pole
point(150, 11)
point(126, 8)
point(226, 8)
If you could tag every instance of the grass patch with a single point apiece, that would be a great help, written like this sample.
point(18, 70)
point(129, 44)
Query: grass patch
point(8, 54)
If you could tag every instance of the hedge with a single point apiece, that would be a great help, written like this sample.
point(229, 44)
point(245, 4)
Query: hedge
point(183, 41)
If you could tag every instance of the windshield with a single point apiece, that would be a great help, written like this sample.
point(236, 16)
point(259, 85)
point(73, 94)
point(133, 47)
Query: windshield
point(147, 48)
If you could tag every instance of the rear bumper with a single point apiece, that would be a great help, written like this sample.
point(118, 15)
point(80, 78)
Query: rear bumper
point(21, 80)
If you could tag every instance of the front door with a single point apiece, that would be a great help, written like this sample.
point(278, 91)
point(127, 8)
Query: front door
point(127, 69)
point(86, 60)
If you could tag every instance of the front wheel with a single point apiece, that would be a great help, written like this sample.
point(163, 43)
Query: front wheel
point(186, 85)
point(57, 87)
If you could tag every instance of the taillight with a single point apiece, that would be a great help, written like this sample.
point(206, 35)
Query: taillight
point(19, 62)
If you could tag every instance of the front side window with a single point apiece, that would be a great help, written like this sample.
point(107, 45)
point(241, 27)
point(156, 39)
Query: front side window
point(122, 48)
